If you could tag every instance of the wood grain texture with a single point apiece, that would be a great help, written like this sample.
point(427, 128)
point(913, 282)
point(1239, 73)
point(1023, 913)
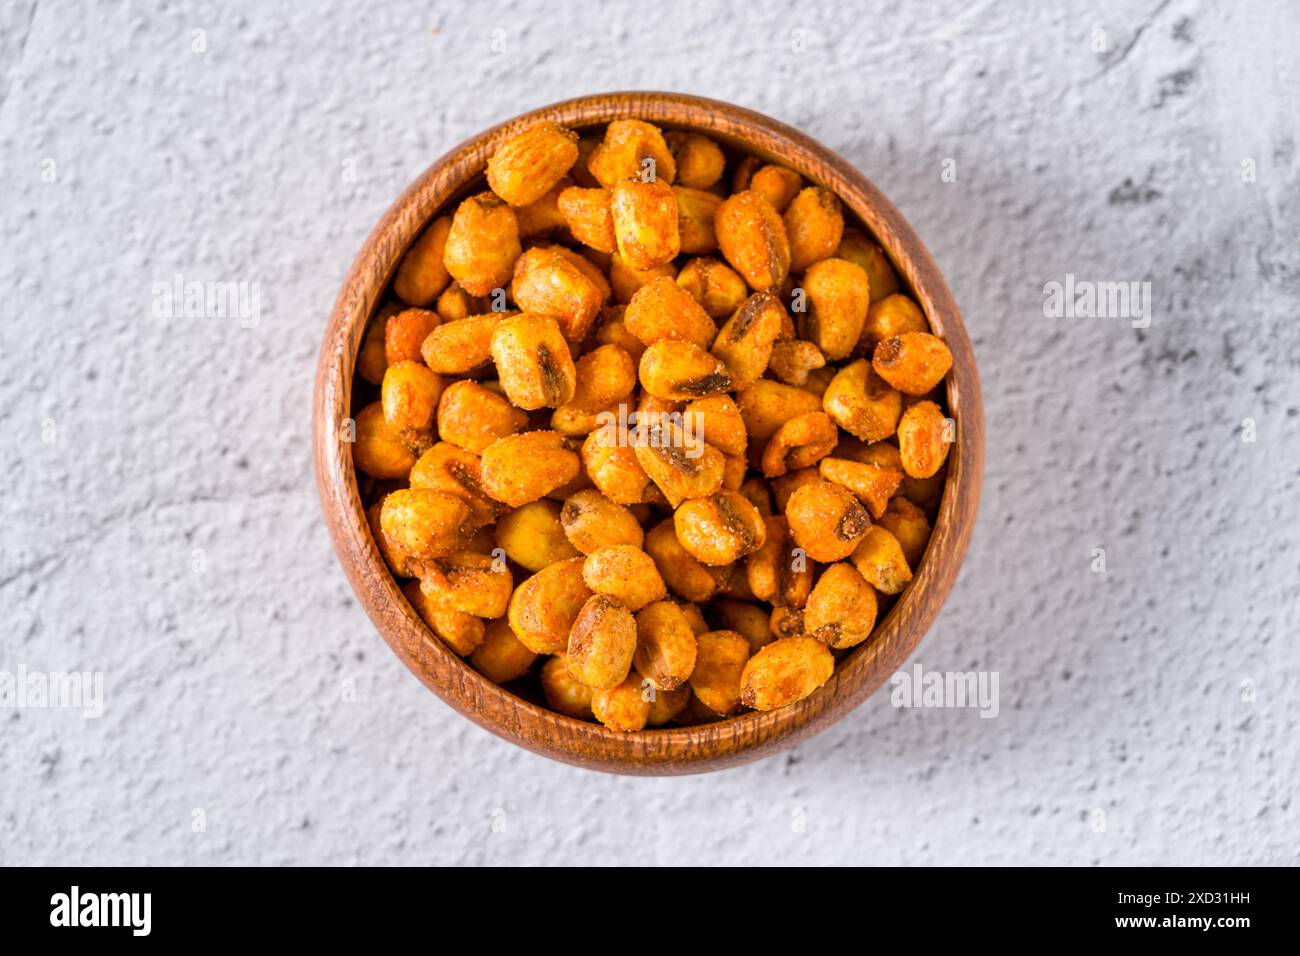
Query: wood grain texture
point(670, 750)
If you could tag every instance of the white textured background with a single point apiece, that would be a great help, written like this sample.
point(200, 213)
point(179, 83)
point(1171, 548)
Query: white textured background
point(1120, 692)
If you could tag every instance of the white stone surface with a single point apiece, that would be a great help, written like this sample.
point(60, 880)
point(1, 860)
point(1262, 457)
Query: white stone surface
point(1120, 692)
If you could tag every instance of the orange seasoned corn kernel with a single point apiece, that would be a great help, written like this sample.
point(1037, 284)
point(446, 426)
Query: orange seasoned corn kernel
point(461, 632)
point(777, 184)
point(696, 210)
point(841, 610)
point(720, 661)
point(591, 522)
point(716, 286)
point(837, 306)
point(502, 657)
point(533, 361)
point(632, 148)
point(378, 448)
point(856, 247)
point(456, 471)
point(799, 443)
point(906, 522)
point(873, 484)
point(586, 211)
point(879, 558)
point(405, 332)
point(680, 463)
point(651, 426)
point(776, 573)
point(923, 439)
point(518, 469)
point(482, 244)
point(542, 608)
point(467, 581)
point(814, 224)
point(421, 275)
point(473, 417)
point(753, 240)
point(624, 707)
point(685, 576)
point(564, 693)
point(625, 572)
point(461, 345)
point(862, 403)
point(424, 524)
point(601, 643)
point(888, 317)
point(533, 537)
point(914, 362)
point(645, 223)
point(826, 520)
point(681, 371)
point(699, 160)
point(548, 281)
point(526, 166)
point(744, 343)
point(719, 529)
point(784, 672)
point(665, 648)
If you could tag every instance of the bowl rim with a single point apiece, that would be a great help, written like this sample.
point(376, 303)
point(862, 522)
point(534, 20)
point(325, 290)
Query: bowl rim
point(671, 750)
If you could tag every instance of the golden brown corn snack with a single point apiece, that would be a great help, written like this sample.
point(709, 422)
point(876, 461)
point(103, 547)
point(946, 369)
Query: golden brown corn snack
point(461, 632)
point(455, 471)
point(379, 449)
point(421, 275)
point(719, 663)
point(601, 643)
point(405, 332)
point(645, 223)
point(661, 310)
point(591, 522)
point(719, 529)
point(518, 469)
point(882, 278)
point(564, 693)
point(826, 520)
point(665, 649)
point(461, 345)
point(745, 342)
point(837, 306)
point(923, 439)
point(814, 224)
point(914, 362)
point(473, 417)
point(841, 610)
point(549, 282)
point(716, 286)
point(625, 572)
point(906, 522)
point(526, 166)
point(862, 403)
point(543, 607)
point(501, 657)
point(467, 581)
point(533, 537)
point(624, 707)
point(753, 240)
point(784, 672)
point(699, 160)
point(624, 152)
point(482, 244)
point(879, 558)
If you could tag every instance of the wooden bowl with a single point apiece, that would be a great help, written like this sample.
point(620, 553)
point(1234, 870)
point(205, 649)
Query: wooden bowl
point(673, 750)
